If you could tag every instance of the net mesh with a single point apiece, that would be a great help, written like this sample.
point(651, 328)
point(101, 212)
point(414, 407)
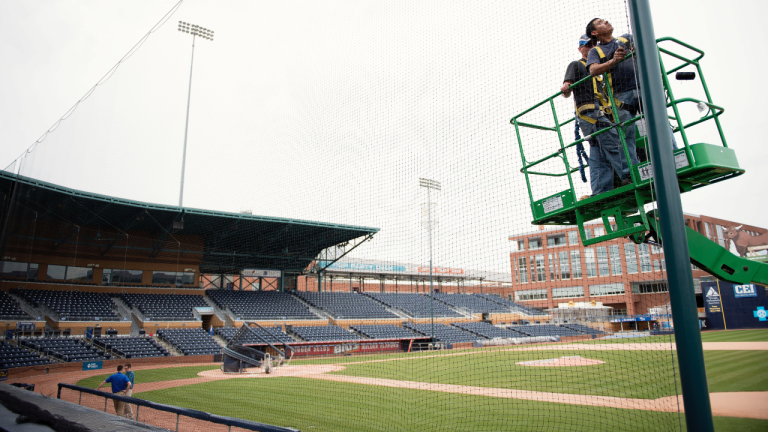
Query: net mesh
point(365, 151)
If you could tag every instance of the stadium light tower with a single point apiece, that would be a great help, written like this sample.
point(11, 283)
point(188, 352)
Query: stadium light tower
point(430, 184)
point(195, 30)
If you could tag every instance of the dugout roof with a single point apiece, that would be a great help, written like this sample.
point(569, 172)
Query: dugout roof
point(230, 241)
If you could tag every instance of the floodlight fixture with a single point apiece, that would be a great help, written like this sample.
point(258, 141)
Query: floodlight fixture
point(196, 31)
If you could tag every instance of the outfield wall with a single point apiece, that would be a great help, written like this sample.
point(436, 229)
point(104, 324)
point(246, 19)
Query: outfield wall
point(730, 306)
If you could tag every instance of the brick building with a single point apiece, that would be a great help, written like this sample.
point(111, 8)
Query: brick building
point(550, 266)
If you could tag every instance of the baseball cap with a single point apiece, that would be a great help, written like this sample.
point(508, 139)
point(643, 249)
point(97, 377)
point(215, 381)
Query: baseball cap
point(584, 39)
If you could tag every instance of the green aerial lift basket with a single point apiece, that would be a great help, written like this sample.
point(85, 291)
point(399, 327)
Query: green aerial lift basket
point(697, 165)
point(622, 210)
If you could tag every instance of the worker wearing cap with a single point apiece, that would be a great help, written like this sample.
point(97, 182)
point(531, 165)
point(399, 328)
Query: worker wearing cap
point(590, 118)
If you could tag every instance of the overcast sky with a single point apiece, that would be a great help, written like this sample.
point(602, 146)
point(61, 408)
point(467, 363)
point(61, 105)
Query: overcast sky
point(332, 110)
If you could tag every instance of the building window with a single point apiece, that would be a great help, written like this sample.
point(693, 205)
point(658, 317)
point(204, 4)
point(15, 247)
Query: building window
point(706, 227)
point(121, 276)
point(655, 249)
point(656, 265)
point(56, 272)
point(79, 274)
point(720, 236)
point(522, 262)
point(649, 287)
point(645, 258)
point(15, 270)
point(565, 270)
point(573, 238)
point(534, 243)
point(615, 259)
point(587, 233)
point(602, 261)
point(629, 252)
point(556, 240)
point(696, 286)
point(32, 271)
point(576, 264)
point(606, 289)
point(70, 273)
point(599, 231)
point(528, 295)
point(514, 263)
point(551, 267)
point(589, 256)
point(663, 264)
point(541, 272)
point(173, 278)
point(693, 267)
point(570, 292)
point(521, 245)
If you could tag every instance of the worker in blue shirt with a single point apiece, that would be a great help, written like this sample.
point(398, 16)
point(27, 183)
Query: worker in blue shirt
point(120, 385)
point(131, 377)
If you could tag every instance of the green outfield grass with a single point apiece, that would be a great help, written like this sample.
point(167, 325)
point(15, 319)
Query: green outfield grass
point(153, 375)
point(759, 335)
point(314, 405)
point(733, 371)
point(624, 374)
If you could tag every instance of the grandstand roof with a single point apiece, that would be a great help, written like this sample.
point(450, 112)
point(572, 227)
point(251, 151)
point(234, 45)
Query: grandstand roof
point(230, 241)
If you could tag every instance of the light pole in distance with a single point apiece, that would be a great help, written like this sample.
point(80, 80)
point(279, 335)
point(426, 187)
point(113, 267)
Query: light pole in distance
point(195, 30)
point(430, 185)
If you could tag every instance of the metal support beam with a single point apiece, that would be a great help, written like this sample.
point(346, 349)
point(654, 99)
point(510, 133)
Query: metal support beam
point(690, 355)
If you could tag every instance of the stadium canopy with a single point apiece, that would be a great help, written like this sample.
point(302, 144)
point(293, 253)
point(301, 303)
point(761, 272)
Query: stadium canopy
point(225, 243)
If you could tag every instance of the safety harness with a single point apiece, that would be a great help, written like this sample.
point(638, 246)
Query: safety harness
point(603, 59)
point(597, 88)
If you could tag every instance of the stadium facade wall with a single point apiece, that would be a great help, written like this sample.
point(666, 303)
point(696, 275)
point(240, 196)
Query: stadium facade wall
point(79, 327)
point(537, 264)
point(108, 366)
point(8, 285)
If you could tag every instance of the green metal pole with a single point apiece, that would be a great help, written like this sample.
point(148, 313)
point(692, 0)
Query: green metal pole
point(690, 355)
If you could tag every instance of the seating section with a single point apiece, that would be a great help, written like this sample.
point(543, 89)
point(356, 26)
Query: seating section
point(10, 310)
point(190, 341)
point(389, 331)
point(65, 349)
point(583, 329)
point(132, 347)
point(260, 305)
point(165, 307)
point(514, 307)
point(273, 335)
point(443, 333)
point(475, 304)
point(346, 305)
point(72, 305)
point(324, 333)
point(12, 356)
point(545, 330)
point(486, 330)
point(415, 305)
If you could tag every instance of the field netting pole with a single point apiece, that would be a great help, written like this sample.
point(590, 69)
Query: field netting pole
point(690, 355)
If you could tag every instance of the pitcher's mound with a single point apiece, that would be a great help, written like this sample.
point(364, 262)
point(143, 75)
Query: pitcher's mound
point(562, 361)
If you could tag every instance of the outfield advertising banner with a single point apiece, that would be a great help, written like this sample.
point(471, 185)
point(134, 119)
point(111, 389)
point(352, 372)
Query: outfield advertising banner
point(742, 291)
point(731, 306)
point(345, 347)
point(93, 365)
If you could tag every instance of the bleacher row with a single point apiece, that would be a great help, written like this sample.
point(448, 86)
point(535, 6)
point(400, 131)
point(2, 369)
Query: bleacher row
point(44, 350)
point(255, 305)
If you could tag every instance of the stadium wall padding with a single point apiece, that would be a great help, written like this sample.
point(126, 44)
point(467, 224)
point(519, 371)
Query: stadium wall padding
point(725, 311)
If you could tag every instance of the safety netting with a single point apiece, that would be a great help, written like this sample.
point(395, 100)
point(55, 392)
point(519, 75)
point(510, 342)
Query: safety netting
point(343, 178)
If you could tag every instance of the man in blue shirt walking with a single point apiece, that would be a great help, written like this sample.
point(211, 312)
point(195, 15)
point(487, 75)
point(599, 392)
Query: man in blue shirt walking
point(120, 385)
